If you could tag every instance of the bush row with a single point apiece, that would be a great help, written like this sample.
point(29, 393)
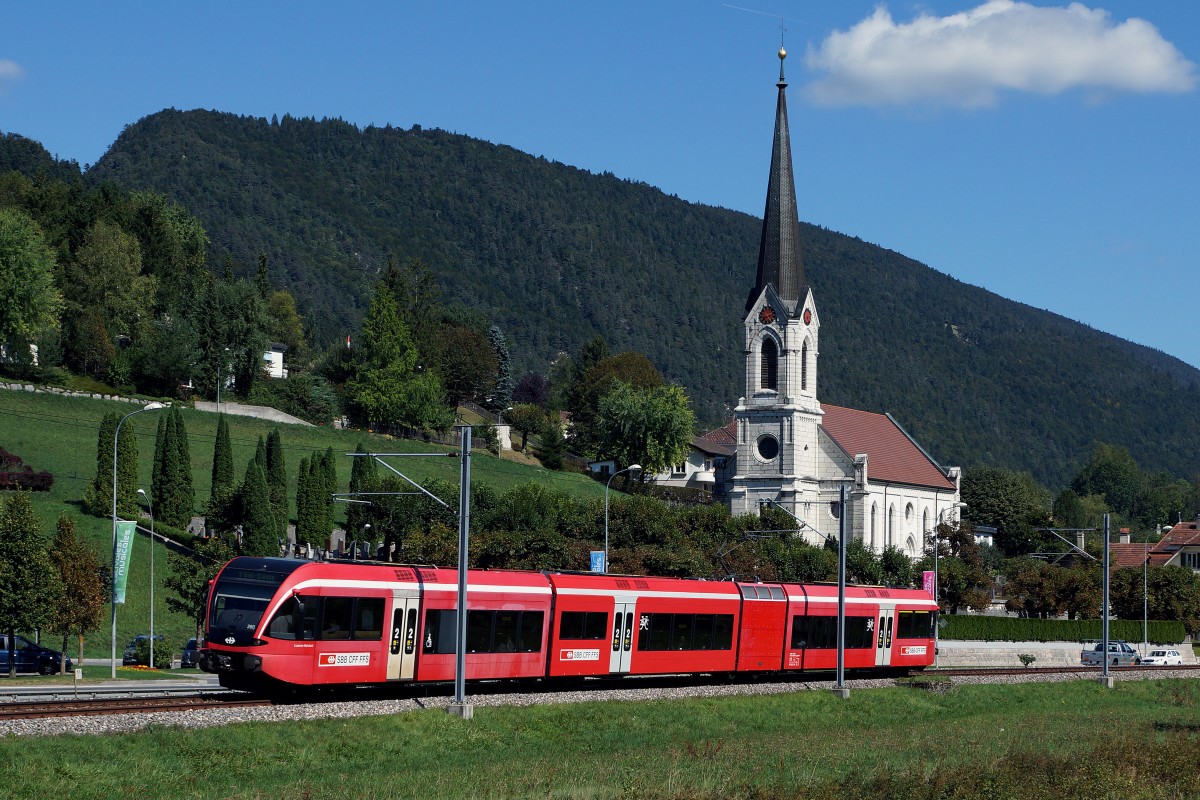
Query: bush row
point(1014, 629)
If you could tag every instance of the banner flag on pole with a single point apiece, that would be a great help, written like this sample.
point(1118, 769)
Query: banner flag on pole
point(927, 580)
point(121, 559)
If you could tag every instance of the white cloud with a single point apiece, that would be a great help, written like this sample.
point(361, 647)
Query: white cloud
point(10, 70)
point(966, 59)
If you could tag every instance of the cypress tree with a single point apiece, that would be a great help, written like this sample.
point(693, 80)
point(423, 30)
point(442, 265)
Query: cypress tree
point(363, 475)
point(98, 497)
point(158, 470)
point(180, 496)
point(127, 471)
point(259, 533)
point(304, 504)
point(327, 481)
point(277, 479)
point(222, 471)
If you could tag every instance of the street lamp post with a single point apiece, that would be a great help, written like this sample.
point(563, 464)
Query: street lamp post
point(219, 360)
point(117, 438)
point(630, 468)
point(150, 502)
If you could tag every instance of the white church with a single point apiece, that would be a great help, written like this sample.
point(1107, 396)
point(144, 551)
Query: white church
point(787, 448)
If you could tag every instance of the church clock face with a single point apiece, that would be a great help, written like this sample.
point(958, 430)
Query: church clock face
point(808, 316)
point(768, 447)
point(767, 315)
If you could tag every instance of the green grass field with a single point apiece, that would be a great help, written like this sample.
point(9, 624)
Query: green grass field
point(58, 433)
point(1029, 742)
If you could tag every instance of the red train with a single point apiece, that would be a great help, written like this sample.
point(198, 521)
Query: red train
point(275, 622)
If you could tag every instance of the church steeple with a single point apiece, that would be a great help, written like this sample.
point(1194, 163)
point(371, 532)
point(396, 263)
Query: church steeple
point(779, 259)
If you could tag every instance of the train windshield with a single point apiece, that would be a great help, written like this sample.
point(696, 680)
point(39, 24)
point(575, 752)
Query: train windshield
point(241, 595)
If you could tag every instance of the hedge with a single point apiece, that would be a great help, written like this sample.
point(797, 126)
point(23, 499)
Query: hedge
point(1014, 629)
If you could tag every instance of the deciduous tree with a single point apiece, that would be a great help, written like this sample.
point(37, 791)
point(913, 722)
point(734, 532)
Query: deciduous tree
point(79, 607)
point(651, 427)
point(29, 300)
point(28, 580)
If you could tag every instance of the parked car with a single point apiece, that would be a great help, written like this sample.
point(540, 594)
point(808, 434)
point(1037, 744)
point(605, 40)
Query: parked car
point(1119, 654)
point(1163, 657)
point(31, 657)
point(131, 655)
point(190, 656)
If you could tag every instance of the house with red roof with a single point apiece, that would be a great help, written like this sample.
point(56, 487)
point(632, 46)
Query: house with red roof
point(784, 447)
point(1179, 546)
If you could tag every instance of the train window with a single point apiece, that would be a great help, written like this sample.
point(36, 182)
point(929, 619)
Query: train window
point(479, 631)
point(583, 625)
point(295, 619)
point(440, 630)
point(914, 625)
point(821, 632)
point(686, 632)
point(531, 632)
point(336, 620)
point(777, 593)
point(368, 619)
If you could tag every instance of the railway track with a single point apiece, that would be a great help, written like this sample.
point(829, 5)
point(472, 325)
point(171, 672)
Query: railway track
point(962, 673)
point(124, 705)
point(199, 701)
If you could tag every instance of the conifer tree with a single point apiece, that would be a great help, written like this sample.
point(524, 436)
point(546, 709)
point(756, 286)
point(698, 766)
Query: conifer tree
point(222, 471)
point(28, 582)
point(328, 483)
point(181, 496)
point(127, 471)
point(259, 532)
point(502, 392)
point(158, 468)
point(305, 527)
point(98, 497)
point(277, 480)
point(363, 475)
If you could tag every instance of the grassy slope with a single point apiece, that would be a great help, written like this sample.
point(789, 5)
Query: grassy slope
point(1033, 741)
point(56, 433)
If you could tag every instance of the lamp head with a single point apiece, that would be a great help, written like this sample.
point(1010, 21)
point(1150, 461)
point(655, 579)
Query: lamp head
point(153, 406)
point(142, 492)
point(633, 467)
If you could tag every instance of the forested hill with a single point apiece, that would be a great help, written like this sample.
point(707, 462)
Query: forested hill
point(556, 255)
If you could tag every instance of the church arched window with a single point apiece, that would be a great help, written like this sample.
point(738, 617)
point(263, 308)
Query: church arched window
point(769, 366)
point(804, 367)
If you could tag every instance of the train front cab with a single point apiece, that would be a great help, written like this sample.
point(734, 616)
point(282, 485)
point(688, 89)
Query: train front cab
point(279, 622)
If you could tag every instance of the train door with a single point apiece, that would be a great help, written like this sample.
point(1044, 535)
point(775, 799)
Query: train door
point(624, 627)
point(402, 644)
point(883, 637)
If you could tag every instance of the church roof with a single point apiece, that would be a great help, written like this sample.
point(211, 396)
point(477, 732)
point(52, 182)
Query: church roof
point(779, 259)
point(893, 456)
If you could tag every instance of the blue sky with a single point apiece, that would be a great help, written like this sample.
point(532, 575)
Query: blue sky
point(1044, 151)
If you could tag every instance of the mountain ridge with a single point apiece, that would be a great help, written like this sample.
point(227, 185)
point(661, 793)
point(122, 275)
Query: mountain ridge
point(556, 255)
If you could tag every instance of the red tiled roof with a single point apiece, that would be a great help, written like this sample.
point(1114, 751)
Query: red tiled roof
point(726, 434)
point(1129, 555)
point(892, 455)
point(1185, 534)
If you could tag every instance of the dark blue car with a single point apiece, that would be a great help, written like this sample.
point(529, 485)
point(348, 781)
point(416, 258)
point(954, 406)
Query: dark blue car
point(31, 657)
point(190, 656)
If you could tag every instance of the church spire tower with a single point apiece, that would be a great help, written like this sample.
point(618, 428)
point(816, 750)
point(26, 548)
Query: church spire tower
point(778, 419)
point(780, 262)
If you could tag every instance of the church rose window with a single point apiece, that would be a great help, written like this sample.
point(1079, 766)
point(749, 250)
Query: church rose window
point(768, 447)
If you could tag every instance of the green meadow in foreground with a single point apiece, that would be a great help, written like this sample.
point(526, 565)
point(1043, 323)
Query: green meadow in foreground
point(1025, 742)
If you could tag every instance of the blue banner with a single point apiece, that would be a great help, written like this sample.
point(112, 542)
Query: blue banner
point(121, 559)
point(597, 561)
